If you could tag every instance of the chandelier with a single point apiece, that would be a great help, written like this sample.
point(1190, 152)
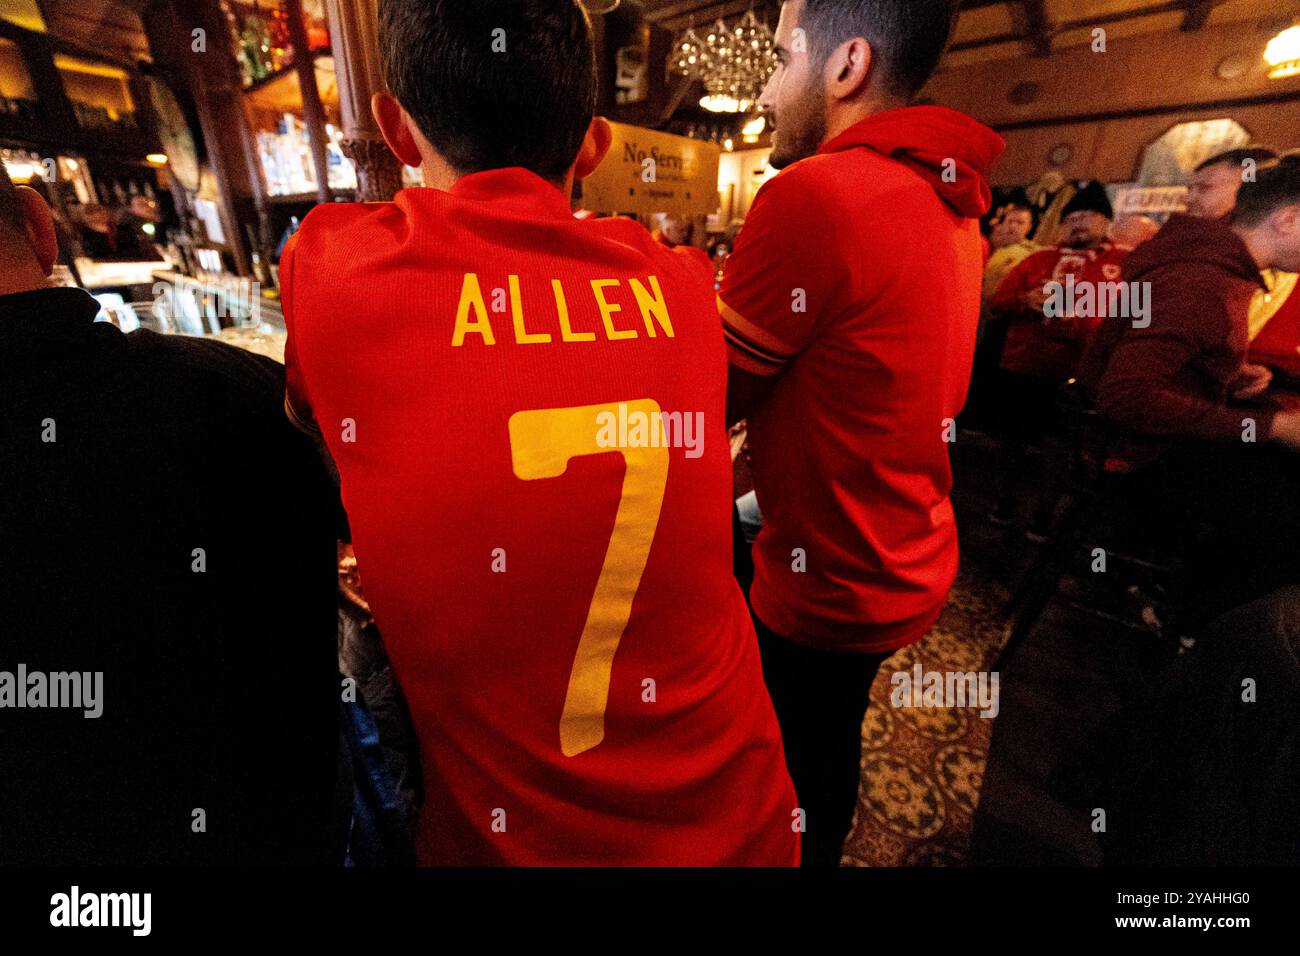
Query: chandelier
point(733, 63)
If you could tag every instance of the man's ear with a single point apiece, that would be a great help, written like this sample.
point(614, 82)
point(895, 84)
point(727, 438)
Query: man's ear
point(1288, 220)
point(393, 123)
point(848, 69)
point(40, 227)
point(594, 147)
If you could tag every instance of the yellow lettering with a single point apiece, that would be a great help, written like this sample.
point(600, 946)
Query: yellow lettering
point(471, 296)
point(522, 335)
point(607, 310)
point(652, 306)
point(562, 307)
point(516, 308)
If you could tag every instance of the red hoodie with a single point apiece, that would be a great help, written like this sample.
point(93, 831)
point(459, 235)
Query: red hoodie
point(857, 279)
point(1173, 378)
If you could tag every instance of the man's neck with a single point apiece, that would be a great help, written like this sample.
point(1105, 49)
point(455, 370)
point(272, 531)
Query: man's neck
point(1256, 245)
point(439, 175)
point(24, 276)
point(847, 115)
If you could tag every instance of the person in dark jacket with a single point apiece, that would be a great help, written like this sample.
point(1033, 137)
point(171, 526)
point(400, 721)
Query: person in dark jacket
point(1178, 386)
point(168, 682)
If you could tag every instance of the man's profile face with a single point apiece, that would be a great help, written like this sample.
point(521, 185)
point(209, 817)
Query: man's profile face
point(1212, 192)
point(1013, 227)
point(795, 97)
point(1284, 224)
point(1085, 228)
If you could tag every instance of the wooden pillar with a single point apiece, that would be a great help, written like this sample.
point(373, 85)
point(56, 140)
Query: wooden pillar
point(313, 114)
point(212, 80)
point(354, 38)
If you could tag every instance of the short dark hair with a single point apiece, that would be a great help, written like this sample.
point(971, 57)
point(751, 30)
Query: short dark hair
point(1276, 184)
point(493, 83)
point(1235, 157)
point(909, 36)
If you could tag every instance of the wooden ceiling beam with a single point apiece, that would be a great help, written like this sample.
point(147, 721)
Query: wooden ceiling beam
point(1034, 25)
point(1198, 13)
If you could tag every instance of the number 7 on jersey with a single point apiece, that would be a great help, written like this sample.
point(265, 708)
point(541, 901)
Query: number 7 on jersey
point(542, 442)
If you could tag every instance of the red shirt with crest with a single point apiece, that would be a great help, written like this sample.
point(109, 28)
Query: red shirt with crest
point(1051, 348)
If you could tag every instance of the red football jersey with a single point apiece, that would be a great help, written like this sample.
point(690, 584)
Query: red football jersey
point(1278, 343)
point(1053, 350)
point(526, 411)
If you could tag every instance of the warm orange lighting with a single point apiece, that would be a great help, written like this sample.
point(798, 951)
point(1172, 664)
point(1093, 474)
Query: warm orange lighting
point(722, 103)
point(156, 159)
point(20, 172)
point(1283, 54)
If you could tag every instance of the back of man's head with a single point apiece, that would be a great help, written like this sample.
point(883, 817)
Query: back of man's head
point(1276, 184)
point(908, 36)
point(493, 83)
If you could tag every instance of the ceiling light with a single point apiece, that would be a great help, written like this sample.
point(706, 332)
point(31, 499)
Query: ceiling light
point(722, 103)
point(20, 172)
point(733, 63)
point(1283, 54)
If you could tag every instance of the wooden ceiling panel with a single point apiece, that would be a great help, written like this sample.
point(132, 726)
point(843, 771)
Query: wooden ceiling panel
point(1156, 23)
point(979, 23)
point(985, 27)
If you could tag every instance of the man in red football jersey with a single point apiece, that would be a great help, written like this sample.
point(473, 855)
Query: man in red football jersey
point(1051, 304)
point(526, 411)
point(850, 306)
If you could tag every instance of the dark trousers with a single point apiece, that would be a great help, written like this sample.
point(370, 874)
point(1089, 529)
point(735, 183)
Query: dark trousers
point(1029, 417)
point(820, 699)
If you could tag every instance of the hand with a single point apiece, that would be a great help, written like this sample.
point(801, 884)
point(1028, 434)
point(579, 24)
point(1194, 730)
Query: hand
point(738, 436)
point(1252, 381)
point(1286, 429)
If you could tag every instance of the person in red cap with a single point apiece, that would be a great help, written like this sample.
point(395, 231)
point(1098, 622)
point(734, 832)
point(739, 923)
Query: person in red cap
point(850, 363)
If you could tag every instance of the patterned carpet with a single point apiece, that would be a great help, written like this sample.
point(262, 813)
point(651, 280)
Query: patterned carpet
point(922, 768)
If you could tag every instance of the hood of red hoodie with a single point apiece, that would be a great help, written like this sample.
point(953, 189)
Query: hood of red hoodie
point(1187, 239)
point(925, 138)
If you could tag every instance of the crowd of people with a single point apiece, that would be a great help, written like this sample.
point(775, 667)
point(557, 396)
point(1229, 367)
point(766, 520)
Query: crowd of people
point(491, 400)
point(1187, 341)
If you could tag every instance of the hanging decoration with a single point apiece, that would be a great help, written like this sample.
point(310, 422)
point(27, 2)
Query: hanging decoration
point(734, 63)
